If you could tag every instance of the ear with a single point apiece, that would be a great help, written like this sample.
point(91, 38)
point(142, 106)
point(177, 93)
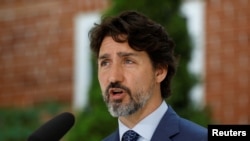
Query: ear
point(160, 74)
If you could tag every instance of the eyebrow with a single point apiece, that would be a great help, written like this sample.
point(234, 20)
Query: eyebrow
point(104, 56)
point(121, 54)
point(125, 54)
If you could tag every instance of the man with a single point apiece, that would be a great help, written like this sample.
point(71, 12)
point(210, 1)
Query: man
point(136, 63)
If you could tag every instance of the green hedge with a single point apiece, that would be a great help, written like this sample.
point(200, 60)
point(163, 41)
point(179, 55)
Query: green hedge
point(16, 124)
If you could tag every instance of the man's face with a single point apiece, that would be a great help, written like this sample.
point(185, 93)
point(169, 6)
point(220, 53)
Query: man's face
point(126, 77)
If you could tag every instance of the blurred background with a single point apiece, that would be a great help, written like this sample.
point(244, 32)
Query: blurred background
point(47, 68)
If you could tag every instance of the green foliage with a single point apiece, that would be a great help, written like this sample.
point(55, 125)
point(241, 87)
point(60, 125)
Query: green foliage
point(94, 123)
point(17, 124)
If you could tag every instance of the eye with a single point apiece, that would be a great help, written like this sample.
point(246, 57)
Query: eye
point(128, 61)
point(104, 63)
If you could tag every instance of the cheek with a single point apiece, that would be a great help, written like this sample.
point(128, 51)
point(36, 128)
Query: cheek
point(136, 84)
point(142, 82)
point(143, 77)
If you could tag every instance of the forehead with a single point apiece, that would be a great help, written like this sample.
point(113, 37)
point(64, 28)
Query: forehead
point(110, 46)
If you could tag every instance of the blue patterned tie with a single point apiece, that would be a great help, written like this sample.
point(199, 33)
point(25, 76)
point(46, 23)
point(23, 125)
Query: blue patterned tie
point(130, 135)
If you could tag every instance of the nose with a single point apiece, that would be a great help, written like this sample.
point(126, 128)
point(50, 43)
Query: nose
point(116, 74)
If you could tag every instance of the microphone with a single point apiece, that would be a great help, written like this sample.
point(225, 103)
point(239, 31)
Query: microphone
point(54, 129)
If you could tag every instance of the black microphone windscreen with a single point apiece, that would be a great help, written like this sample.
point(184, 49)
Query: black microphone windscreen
point(54, 129)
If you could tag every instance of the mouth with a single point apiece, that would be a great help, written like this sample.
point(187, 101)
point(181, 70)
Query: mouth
point(116, 93)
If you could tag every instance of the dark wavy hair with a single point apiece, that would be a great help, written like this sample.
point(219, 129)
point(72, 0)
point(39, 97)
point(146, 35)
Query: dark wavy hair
point(142, 34)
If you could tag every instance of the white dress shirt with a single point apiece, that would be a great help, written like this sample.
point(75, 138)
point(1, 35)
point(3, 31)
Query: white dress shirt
point(146, 127)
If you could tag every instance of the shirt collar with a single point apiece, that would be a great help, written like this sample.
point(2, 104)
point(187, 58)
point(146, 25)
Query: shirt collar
point(146, 127)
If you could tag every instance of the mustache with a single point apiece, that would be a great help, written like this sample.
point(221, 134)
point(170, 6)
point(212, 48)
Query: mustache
point(117, 85)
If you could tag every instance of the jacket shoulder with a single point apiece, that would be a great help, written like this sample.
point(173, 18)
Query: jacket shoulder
point(192, 130)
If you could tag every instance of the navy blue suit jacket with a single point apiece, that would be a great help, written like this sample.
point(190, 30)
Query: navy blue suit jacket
point(173, 128)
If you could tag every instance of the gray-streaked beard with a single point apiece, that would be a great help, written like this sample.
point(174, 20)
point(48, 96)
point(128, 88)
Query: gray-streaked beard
point(139, 99)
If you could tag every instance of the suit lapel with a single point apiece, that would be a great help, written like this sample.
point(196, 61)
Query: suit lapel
point(167, 127)
point(113, 137)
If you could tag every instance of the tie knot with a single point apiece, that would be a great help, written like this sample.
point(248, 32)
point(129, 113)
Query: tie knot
point(130, 135)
